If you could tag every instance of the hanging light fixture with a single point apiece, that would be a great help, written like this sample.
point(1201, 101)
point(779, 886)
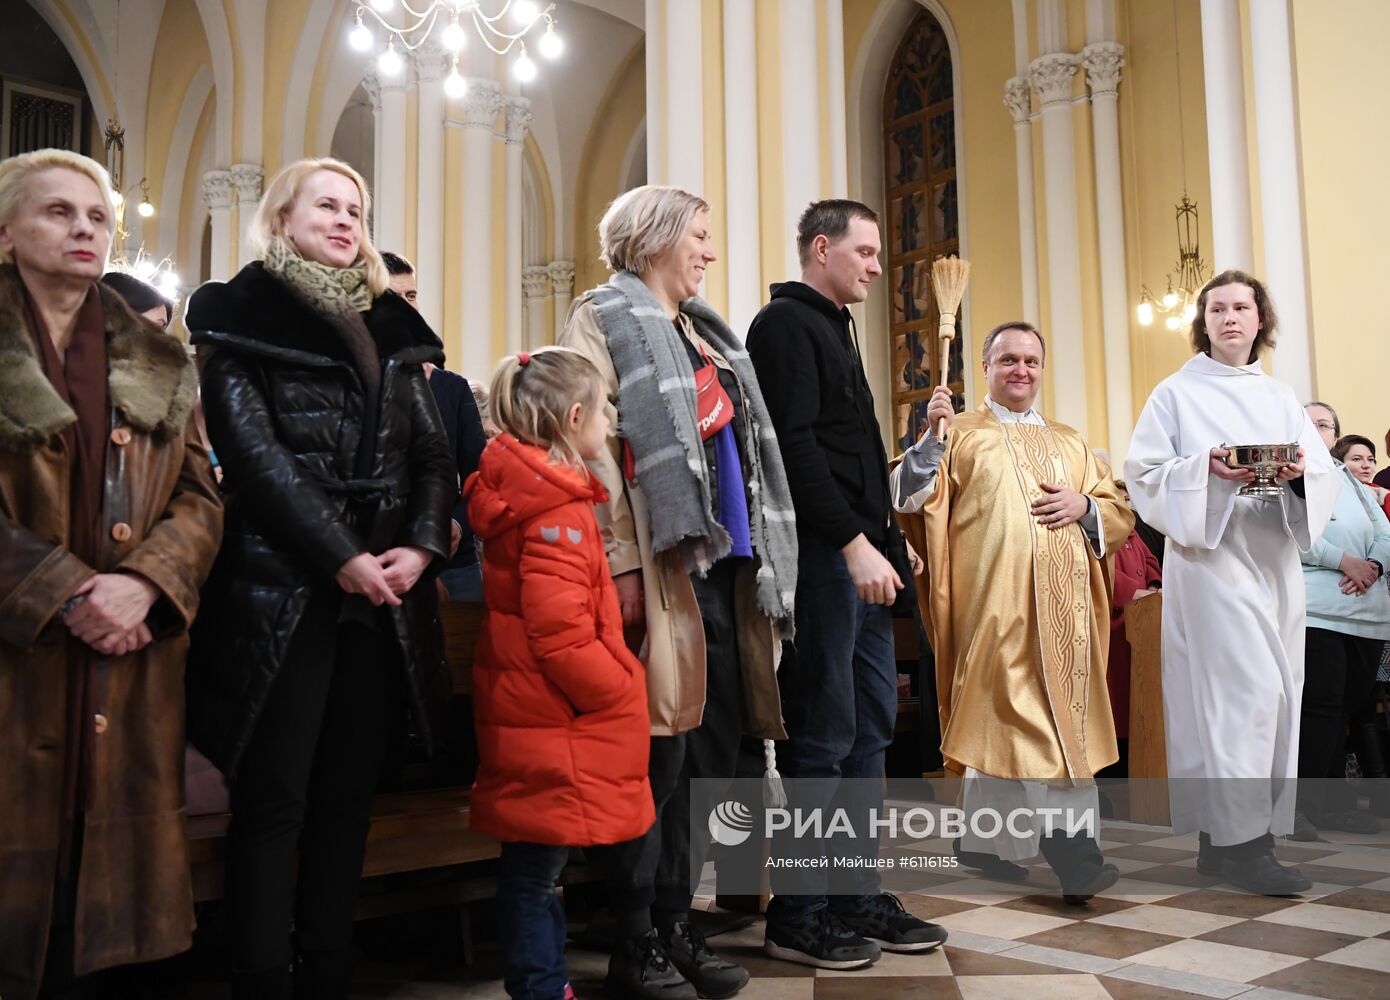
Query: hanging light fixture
point(1178, 305)
point(500, 32)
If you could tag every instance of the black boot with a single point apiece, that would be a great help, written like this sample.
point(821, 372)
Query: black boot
point(641, 969)
point(991, 865)
point(268, 984)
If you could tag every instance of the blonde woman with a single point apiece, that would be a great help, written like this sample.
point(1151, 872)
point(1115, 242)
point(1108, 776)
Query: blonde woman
point(339, 482)
point(109, 522)
point(700, 532)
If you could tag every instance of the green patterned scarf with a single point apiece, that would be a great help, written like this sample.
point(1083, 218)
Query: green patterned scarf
point(333, 291)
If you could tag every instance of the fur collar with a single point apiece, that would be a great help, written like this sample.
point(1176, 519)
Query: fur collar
point(256, 312)
point(149, 375)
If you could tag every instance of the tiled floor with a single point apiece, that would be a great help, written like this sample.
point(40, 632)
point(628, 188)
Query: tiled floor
point(1163, 932)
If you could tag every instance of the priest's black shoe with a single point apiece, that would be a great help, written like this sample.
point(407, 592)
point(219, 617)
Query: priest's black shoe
point(1264, 876)
point(711, 975)
point(1088, 879)
point(992, 865)
point(1303, 829)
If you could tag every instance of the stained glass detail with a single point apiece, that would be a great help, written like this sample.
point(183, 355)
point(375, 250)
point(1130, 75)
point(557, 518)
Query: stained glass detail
point(923, 220)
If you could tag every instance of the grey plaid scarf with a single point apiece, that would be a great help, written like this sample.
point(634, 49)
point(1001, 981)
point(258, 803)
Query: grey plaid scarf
point(657, 416)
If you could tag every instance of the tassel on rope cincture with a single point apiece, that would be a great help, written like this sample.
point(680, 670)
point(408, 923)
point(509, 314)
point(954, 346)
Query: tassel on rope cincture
point(774, 795)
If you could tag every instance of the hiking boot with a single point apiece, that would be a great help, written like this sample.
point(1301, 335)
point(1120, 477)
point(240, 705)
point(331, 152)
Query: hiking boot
point(711, 976)
point(883, 920)
point(817, 938)
point(1265, 876)
point(641, 969)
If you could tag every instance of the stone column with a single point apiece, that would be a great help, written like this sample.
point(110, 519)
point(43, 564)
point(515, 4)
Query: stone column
point(247, 179)
point(217, 192)
point(479, 108)
point(1103, 62)
point(562, 281)
point(1019, 100)
point(1281, 194)
point(519, 118)
point(371, 84)
point(1233, 244)
point(535, 284)
point(743, 259)
point(1051, 76)
point(431, 65)
point(389, 192)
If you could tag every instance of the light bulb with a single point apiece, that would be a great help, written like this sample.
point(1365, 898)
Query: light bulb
point(1170, 299)
point(119, 199)
point(146, 209)
point(144, 269)
point(1146, 314)
point(1190, 313)
point(524, 69)
point(169, 285)
point(524, 11)
point(453, 37)
point(551, 44)
point(389, 62)
point(360, 38)
point(455, 86)
point(1172, 322)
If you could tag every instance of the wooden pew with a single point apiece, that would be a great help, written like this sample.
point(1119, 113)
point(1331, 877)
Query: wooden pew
point(1148, 754)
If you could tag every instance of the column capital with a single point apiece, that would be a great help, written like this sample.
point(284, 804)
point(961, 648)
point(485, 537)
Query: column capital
point(431, 63)
point(519, 119)
point(1018, 98)
point(1103, 62)
point(247, 179)
point(481, 103)
point(217, 189)
point(1051, 76)
point(535, 282)
point(562, 276)
point(371, 83)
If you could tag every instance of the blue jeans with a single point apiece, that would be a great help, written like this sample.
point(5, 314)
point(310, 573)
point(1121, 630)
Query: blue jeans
point(840, 702)
point(533, 920)
point(464, 583)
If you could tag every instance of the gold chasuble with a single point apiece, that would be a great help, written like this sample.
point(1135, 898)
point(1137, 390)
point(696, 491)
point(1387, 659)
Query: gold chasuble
point(1019, 615)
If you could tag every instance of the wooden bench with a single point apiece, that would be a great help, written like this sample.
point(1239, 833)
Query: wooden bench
point(410, 831)
point(1148, 753)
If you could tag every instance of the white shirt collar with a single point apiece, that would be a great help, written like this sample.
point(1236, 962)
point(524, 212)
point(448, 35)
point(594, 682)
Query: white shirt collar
point(1008, 416)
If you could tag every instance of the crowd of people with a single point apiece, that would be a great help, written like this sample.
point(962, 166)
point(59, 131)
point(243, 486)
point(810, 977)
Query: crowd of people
point(685, 539)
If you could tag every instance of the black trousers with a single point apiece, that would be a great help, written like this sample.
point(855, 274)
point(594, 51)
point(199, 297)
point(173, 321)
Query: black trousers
point(1338, 682)
point(301, 800)
point(710, 751)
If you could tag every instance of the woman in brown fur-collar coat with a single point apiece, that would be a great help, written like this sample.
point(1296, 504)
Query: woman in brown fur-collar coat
point(109, 522)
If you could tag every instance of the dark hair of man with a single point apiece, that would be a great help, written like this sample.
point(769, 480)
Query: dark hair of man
point(1336, 420)
point(1016, 324)
point(831, 219)
point(396, 264)
point(1269, 322)
point(140, 295)
point(1345, 444)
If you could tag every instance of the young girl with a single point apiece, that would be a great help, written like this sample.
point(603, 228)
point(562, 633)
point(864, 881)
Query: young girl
point(561, 704)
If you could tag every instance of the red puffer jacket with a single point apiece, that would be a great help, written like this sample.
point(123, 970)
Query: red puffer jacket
point(560, 702)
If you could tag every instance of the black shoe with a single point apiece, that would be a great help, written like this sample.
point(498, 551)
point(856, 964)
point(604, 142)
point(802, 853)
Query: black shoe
point(1088, 879)
point(1264, 876)
point(992, 865)
point(710, 975)
point(1303, 829)
point(883, 920)
point(1350, 821)
point(641, 968)
point(1209, 858)
point(818, 938)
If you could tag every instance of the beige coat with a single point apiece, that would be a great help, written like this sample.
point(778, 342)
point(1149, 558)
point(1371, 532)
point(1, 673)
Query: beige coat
point(674, 649)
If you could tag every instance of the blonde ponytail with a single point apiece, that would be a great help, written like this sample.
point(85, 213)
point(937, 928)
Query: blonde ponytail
point(532, 393)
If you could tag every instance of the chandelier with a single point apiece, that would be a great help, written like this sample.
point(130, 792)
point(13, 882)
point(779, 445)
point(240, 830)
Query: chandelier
point(1185, 282)
point(500, 32)
point(159, 273)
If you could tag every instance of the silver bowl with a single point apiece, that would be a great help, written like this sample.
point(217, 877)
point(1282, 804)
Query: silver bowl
point(1265, 460)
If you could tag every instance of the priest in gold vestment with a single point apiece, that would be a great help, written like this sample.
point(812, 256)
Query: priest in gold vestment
point(1018, 518)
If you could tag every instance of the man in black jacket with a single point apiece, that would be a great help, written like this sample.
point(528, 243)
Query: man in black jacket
point(461, 576)
point(839, 690)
